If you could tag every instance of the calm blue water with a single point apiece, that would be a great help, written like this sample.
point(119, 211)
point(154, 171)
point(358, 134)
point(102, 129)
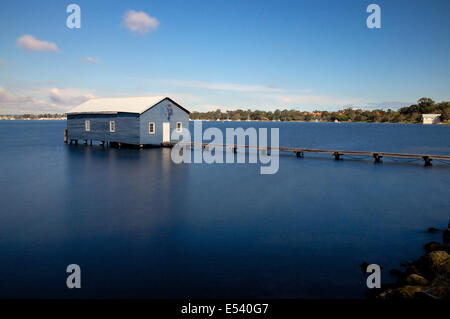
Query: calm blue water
point(142, 226)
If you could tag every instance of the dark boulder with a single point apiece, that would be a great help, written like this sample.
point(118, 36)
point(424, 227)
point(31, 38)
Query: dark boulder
point(433, 263)
point(433, 246)
point(416, 280)
point(446, 236)
point(432, 230)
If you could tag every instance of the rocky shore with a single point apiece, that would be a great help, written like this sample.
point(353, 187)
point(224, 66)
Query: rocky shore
point(425, 278)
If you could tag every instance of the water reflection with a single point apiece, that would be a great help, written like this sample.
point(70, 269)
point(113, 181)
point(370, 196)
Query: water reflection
point(141, 226)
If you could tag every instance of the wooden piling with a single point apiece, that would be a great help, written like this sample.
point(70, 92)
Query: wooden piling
point(337, 156)
point(65, 136)
point(377, 157)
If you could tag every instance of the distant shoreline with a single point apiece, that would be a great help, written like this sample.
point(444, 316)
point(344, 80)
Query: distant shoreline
point(300, 121)
point(223, 121)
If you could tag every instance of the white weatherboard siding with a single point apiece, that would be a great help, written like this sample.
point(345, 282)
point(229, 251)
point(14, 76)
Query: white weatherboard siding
point(115, 105)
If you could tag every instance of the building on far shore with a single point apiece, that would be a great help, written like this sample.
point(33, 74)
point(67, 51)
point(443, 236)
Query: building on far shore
point(431, 118)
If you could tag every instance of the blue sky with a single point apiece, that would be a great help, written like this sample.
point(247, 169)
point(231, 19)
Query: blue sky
point(224, 54)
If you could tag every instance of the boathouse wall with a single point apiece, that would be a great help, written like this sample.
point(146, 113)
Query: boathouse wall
point(165, 111)
point(126, 127)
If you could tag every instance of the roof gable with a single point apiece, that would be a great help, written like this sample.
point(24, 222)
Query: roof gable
point(172, 101)
point(120, 105)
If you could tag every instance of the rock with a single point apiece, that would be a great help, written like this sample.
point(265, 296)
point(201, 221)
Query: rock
point(446, 237)
point(432, 230)
point(433, 246)
point(426, 278)
point(446, 268)
point(434, 263)
point(440, 292)
point(385, 294)
point(415, 279)
point(406, 292)
point(438, 260)
point(411, 270)
point(425, 295)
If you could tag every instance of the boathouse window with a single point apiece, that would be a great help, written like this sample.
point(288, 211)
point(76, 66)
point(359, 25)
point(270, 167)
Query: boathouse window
point(151, 128)
point(87, 125)
point(179, 126)
point(112, 126)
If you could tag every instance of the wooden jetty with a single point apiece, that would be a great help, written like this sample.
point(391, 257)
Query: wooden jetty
point(298, 151)
point(337, 154)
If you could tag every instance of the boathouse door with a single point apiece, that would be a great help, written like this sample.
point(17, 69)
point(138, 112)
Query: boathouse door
point(166, 132)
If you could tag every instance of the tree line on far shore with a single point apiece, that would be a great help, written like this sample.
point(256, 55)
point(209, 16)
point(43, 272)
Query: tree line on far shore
point(409, 114)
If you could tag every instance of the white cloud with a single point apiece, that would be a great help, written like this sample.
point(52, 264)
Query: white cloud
point(140, 22)
point(90, 59)
point(224, 86)
point(231, 96)
point(17, 104)
point(263, 97)
point(54, 100)
point(30, 43)
point(69, 97)
point(273, 101)
point(320, 100)
point(6, 97)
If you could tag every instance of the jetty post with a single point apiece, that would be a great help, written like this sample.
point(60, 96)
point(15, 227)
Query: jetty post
point(377, 157)
point(337, 156)
point(427, 160)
